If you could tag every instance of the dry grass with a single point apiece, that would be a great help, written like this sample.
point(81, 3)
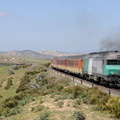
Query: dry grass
point(56, 112)
point(58, 107)
point(60, 113)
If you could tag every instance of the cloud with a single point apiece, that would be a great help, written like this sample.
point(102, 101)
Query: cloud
point(4, 14)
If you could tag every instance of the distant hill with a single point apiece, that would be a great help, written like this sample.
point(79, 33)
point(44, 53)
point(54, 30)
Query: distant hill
point(24, 53)
point(57, 53)
point(33, 54)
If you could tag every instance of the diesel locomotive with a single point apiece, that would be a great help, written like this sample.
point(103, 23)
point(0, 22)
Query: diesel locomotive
point(102, 67)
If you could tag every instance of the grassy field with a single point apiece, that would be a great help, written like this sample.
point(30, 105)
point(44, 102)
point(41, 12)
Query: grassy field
point(34, 61)
point(38, 94)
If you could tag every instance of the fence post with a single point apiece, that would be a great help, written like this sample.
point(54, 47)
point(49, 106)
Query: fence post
point(81, 81)
point(109, 92)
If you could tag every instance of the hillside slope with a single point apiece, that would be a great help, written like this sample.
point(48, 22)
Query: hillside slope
point(58, 53)
point(34, 54)
point(24, 53)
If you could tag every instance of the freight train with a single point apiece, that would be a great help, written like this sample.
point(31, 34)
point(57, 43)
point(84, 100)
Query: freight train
point(102, 67)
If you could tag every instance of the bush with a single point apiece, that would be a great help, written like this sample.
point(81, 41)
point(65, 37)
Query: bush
point(99, 97)
point(44, 81)
point(32, 72)
point(77, 103)
point(75, 91)
point(8, 111)
point(10, 103)
point(113, 106)
point(22, 86)
point(15, 67)
point(60, 104)
point(1, 110)
point(59, 87)
point(46, 64)
point(15, 111)
point(5, 112)
point(1, 96)
point(39, 108)
point(24, 66)
point(8, 83)
point(10, 72)
point(19, 96)
point(44, 116)
point(26, 100)
point(85, 99)
point(78, 115)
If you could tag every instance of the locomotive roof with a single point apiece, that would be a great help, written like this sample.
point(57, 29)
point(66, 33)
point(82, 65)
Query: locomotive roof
point(104, 55)
point(96, 55)
point(71, 57)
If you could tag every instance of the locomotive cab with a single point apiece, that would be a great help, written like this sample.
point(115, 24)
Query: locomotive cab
point(103, 67)
point(112, 68)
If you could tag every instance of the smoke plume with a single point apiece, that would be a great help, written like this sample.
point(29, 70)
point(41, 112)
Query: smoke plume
point(110, 43)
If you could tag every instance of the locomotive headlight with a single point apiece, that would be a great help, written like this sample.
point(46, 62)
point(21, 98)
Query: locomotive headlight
point(112, 73)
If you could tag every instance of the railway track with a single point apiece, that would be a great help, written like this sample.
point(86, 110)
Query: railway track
point(77, 80)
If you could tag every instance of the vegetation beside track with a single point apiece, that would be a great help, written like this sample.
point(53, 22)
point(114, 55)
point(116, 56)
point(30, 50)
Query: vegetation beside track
point(35, 93)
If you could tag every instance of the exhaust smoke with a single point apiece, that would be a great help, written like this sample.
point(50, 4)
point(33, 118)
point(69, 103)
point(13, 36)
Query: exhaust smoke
point(110, 43)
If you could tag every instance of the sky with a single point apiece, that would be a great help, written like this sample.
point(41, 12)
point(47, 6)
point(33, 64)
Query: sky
point(63, 25)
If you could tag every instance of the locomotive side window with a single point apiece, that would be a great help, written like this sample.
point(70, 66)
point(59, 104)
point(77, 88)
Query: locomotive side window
point(113, 62)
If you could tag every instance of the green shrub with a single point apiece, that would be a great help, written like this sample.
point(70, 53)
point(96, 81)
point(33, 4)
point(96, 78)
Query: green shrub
point(6, 112)
point(10, 103)
point(9, 111)
point(22, 86)
point(25, 66)
point(44, 116)
point(44, 81)
point(113, 106)
point(61, 97)
point(10, 72)
point(46, 64)
point(39, 108)
point(1, 110)
point(85, 99)
point(99, 97)
point(96, 108)
point(77, 103)
point(15, 111)
point(60, 104)
point(26, 100)
point(15, 67)
point(8, 83)
point(78, 115)
point(1, 96)
point(43, 69)
point(59, 87)
point(32, 72)
point(75, 91)
point(19, 96)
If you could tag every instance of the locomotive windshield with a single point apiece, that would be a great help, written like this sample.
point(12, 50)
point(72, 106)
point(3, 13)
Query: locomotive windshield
point(113, 62)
